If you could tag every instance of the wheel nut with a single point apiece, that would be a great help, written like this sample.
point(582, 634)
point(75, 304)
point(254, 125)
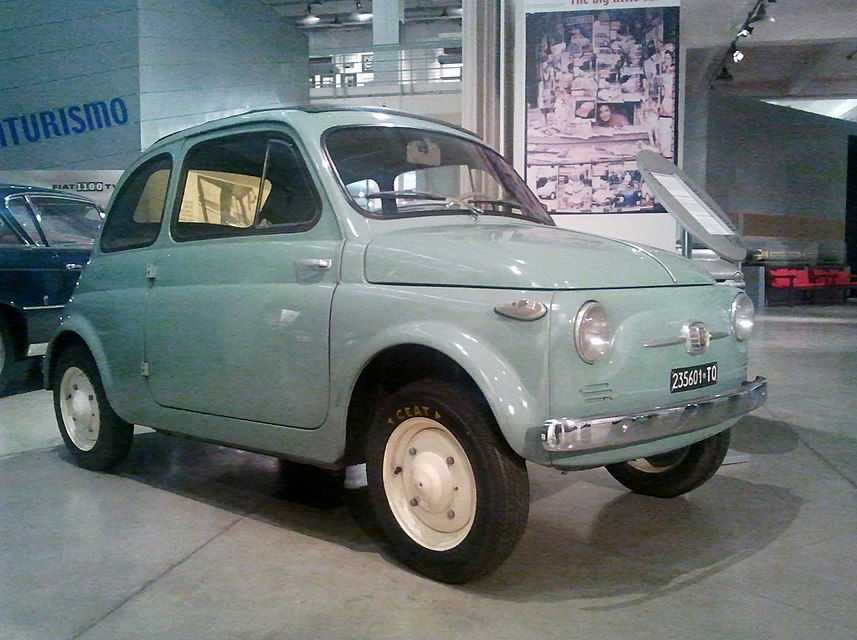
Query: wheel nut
point(450, 514)
point(414, 502)
point(397, 470)
point(450, 461)
point(412, 451)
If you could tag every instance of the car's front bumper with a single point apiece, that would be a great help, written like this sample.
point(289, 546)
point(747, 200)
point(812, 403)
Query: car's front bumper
point(606, 432)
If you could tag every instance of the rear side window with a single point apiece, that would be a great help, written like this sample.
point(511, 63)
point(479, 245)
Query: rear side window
point(66, 222)
point(244, 185)
point(20, 211)
point(134, 219)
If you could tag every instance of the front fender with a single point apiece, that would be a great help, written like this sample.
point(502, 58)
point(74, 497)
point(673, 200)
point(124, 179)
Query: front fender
point(507, 359)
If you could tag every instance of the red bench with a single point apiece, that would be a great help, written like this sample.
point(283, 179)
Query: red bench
point(839, 280)
point(793, 280)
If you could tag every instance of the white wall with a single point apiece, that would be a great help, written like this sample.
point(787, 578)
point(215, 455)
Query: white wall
point(652, 229)
point(172, 64)
point(205, 59)
point(445, 106)
point(54, 56)
point(326, 41)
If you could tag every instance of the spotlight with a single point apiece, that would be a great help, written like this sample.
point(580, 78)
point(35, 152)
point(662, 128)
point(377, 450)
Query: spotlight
point(360, 14)
point(746, 32)
point(737, 54)
point(724, 75)
point(310, 18)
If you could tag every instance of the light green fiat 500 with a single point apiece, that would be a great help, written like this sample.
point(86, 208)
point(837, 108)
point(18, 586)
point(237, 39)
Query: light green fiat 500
point(378, 291)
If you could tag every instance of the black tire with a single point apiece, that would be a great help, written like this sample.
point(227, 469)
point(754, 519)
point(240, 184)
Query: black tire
point(676, 472)
point(498, 506)
point(113, 438)
point(7, 352)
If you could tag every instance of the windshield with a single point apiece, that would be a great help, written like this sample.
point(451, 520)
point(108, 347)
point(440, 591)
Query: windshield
point(393, 172)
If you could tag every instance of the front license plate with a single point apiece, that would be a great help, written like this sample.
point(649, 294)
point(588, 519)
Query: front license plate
point(688, 378)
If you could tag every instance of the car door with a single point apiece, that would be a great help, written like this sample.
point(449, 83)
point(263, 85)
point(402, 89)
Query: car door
point(69, 225)
point(31, 270)
point(110, 301)
point(237, 321)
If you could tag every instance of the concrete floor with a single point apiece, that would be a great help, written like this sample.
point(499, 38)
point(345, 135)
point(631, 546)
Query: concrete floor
point(189, 540)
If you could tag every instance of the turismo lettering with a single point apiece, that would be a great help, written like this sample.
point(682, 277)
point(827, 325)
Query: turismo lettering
point(61, 122)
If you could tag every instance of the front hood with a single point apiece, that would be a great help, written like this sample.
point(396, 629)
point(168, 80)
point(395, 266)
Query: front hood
point(517, 256)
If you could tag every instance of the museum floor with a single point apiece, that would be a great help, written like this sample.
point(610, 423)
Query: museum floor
point(189, 540)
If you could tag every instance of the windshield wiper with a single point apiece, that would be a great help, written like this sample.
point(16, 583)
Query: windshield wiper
point(406, 195)
point(501, 203)
point(448, 202)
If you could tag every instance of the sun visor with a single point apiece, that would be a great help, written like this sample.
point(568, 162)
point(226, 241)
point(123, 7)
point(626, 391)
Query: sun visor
point(691, 206)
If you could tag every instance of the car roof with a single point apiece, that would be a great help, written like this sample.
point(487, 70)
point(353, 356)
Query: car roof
point(7, 189)
point(276, 113)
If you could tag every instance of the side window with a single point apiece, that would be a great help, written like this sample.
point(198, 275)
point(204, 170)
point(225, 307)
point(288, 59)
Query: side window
point(66, 222)
point(7, 236)
point(244, 185)
point(20, 211)
point(134, 220)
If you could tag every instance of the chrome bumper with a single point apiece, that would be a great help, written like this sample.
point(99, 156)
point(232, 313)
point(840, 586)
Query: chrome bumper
point(605, 432)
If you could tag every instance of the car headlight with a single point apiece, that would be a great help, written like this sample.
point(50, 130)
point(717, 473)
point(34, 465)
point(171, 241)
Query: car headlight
point(592, 334)
point(742, 313)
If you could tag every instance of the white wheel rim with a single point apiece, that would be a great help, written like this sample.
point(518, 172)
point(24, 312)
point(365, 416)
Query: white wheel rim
point(79, 408)
point(429, 484)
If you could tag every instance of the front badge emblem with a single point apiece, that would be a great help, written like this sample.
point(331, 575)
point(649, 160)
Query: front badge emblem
point(697, 339)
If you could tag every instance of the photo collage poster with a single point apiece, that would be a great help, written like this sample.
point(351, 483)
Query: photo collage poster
point(600, 86)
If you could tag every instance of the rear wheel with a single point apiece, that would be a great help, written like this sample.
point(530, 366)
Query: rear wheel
point(673, 473)
point(96, 437)
point(449, 494)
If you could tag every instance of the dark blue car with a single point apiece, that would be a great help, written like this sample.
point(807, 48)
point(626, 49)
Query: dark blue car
point(45, 240)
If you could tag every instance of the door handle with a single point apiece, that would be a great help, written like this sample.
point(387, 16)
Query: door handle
point(316, 264)
point(71, 266)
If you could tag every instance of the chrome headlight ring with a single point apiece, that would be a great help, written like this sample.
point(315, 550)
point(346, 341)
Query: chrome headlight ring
point(593, 336)
point(742, 314)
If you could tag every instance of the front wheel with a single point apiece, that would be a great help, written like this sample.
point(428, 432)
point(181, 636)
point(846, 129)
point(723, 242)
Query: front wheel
point(449, 494)
point(96, 437)
point(673, 473)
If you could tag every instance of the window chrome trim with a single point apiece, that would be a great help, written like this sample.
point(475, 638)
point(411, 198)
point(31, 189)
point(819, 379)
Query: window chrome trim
point(16, 226)
point(271, 136)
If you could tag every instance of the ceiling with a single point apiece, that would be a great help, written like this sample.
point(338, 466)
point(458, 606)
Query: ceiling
point(809, 52)
point(346, 11)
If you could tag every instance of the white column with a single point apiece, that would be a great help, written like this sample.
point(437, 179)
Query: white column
point(481, 58)
point(387, 18)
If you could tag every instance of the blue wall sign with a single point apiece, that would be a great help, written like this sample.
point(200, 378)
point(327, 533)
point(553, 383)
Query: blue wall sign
point(62, 122)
